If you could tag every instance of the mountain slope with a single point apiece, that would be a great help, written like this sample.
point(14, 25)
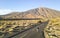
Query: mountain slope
point(33, 13)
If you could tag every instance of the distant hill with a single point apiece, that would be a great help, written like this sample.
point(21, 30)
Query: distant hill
point(33, 13)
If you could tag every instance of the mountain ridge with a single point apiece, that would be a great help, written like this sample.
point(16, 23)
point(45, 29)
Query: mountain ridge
point(33, 13)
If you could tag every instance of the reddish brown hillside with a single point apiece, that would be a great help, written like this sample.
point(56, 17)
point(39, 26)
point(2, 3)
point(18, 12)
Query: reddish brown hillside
point(33, 13)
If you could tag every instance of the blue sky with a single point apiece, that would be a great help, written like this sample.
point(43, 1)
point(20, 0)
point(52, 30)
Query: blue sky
point(7, 6)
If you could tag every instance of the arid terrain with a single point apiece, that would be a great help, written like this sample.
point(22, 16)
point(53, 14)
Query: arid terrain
point(33, 13)
point(17, 21)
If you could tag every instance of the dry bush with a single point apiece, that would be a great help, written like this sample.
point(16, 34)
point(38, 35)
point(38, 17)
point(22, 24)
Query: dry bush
point(53, 28)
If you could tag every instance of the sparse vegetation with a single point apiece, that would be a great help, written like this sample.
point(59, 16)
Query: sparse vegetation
point(14, 26)
point(53, 28)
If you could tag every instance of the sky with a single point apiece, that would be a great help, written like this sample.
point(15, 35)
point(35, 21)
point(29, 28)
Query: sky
point(7, 6)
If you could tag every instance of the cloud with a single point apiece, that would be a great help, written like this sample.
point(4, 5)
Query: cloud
point(6, 11)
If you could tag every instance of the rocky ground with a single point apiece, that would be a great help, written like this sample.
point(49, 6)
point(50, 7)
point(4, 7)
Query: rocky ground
point(53, 29)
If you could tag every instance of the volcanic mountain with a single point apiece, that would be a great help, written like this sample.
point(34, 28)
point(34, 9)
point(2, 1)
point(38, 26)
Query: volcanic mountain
point(33, 13)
